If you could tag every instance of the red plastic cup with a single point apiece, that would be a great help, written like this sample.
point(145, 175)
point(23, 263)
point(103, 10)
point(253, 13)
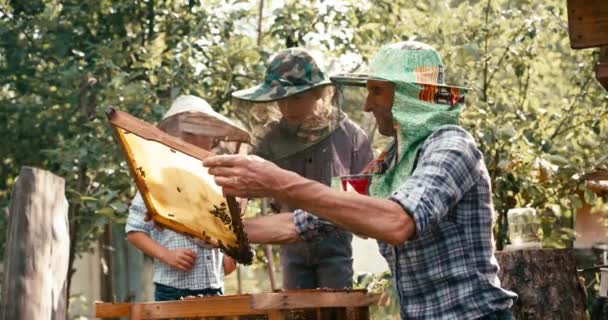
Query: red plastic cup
point(358, 182)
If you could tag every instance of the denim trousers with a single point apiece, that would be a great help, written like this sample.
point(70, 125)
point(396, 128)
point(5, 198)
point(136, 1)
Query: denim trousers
point(167, 293)
point(327, 263)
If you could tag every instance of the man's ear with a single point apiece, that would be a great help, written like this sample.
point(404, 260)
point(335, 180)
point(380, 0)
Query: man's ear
point(392, 94)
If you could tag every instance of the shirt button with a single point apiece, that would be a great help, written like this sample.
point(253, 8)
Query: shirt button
point(208, 257)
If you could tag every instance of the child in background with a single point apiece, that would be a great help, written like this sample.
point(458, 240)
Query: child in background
point(183, 266)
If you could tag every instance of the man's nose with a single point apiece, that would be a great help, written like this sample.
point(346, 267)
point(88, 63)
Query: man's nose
point(368, 106)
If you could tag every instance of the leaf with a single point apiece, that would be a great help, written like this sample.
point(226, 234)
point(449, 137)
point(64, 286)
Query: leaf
point(106, 211)
point(506, 132)
point(119, 207)
point(576, 201)
point(590, 197)
point(557, 159)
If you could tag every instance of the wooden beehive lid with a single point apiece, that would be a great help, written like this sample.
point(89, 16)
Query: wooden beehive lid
point(588, 23)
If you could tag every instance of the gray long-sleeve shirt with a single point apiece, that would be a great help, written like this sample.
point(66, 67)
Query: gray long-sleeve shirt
point(345, 151)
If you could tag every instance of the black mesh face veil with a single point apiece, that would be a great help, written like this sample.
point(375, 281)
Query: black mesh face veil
point(276, 138)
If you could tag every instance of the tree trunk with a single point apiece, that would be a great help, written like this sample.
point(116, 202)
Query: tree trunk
point(37, 248)
point(545, 281)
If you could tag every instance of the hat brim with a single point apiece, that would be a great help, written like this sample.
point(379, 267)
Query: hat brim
point(360, 80)
point(266, 93)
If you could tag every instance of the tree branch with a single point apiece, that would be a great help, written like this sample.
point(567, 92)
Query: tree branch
point(557, 132)
point(505, 52)
point(260, 16)
point(576, 125)
point(525, 89)
point(484, 87)
point(151, 16)
point(12, 19)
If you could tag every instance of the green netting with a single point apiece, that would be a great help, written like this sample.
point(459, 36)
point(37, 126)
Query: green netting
point(415, 109)
point(408, 62)
point(415, 120)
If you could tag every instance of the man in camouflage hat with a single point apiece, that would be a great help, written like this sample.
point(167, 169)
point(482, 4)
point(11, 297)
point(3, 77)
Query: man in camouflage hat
point(430, 204)
point(311, 137)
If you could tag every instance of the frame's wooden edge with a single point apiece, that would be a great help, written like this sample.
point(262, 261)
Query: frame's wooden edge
point(299, 300)
point(147, 131)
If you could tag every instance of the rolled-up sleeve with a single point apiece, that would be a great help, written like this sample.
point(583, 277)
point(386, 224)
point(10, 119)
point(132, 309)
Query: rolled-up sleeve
point(448, 165)
point(137, 213)
point(310, 227)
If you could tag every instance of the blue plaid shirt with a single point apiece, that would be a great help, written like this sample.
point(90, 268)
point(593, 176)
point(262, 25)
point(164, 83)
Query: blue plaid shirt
point(448, 270)
point(208, 269)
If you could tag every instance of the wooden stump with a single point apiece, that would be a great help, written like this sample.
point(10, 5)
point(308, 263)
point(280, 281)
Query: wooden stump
point(37, 248)
point(546, 282)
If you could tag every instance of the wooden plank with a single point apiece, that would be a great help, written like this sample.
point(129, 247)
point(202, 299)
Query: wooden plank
point(357, 313)
point(276, 315)
point(312, 299)
point(226, 306)
point(201, 307)
point(37, 248)
point(112, 310)
point(135, 312)
point(588, 23)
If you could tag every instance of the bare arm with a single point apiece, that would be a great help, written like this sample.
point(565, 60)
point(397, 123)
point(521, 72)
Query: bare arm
point(275, 228)
point(229, 265)
point(381, 219)
point(251, 176)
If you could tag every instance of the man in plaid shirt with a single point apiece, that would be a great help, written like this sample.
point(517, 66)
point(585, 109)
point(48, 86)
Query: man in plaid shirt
point(430, 204)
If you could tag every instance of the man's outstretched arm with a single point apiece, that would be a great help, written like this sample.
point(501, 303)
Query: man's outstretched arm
point(251, 176)
point(271, 229)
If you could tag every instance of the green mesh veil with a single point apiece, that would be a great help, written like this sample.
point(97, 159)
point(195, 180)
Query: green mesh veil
point(415, 120)
point(422, 103)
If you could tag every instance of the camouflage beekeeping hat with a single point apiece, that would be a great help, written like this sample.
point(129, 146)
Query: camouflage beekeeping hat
point(289, 72)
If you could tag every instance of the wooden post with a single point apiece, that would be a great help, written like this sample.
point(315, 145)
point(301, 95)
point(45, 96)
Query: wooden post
point(268, 251)
point(37, 248)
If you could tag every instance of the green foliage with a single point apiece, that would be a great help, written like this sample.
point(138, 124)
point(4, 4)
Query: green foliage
point(538, 114)
point(62, 63)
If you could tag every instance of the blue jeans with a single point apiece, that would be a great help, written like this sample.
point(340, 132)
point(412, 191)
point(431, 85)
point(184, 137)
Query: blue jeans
point(167, 293)
point(327, 263)
point(499, 315)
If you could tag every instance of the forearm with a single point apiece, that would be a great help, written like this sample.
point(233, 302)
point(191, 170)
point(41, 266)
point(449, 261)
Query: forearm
point(229, 265)
point(275, 229)
point(147, 245)
point(381, 219)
